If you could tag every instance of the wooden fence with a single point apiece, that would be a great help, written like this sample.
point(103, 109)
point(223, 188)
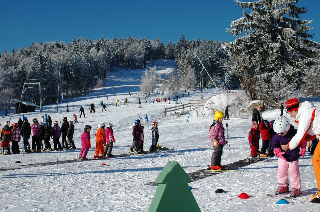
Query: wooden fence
point(183, 106)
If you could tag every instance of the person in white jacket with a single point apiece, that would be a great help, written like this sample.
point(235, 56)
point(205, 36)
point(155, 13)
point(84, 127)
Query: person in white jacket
point(308, 119)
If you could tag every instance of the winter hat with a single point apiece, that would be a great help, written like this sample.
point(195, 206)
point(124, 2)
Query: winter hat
point(292, 105)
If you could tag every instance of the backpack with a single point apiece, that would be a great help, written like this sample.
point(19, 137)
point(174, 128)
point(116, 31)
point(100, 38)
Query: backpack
point(214, 122)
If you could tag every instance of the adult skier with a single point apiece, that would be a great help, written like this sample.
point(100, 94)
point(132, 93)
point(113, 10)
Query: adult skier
point(308, 119)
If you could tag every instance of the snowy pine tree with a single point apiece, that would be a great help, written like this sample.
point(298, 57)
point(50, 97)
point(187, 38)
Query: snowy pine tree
point(149, 81)
point(272, 48)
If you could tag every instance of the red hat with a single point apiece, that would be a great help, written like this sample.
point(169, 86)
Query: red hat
point(292, 104)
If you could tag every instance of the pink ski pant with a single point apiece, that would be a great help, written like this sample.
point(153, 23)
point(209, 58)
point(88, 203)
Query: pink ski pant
point(84, 152)
point(294, 173)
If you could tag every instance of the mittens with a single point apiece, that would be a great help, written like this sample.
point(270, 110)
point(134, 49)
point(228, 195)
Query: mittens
point(278, 153)
point(302, 152)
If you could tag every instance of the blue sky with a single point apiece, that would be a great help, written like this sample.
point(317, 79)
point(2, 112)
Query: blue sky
point(24, 22)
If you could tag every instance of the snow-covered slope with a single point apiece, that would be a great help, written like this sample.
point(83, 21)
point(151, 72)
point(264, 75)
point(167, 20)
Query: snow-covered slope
point(120, 185)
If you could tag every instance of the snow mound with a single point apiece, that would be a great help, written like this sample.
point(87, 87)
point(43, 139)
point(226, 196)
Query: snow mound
point(236, 99)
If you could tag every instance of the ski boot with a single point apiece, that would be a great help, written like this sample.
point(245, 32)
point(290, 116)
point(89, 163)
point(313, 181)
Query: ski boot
point(295, 192)
point(315, 198)
point(282, 189)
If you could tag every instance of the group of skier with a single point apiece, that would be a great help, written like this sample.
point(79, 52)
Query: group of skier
point(105, 140)
point(40, 134)
point(282, 140)
point(138, 138)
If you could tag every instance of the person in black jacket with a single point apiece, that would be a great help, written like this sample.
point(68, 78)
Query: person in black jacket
point(47, 134)
point(26, 132)
point(20, 123)
point(82, 112)
point(70, 133)
point(256, 114)
point(64, 130)
point(41, 137)
point(137, 133)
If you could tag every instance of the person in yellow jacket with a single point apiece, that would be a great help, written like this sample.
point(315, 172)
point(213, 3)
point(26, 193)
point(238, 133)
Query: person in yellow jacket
point(308, 119)
point(100, 141)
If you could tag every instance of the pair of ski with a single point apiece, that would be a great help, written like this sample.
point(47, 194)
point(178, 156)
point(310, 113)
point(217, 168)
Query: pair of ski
point(279, 195)
point(224, 170)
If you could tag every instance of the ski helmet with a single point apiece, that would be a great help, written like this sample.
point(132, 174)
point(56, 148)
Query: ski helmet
point(16, 125)
point(109, 125)
point(101, 125)
point(218, 115)
point(154, 123)
point(87, 127)
point(35, 120)
point(70, 122)
point(281, 124)
point(137, 122)
point(55, 123)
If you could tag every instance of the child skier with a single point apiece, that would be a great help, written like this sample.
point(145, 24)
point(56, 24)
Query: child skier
point(264, 127)
point(15, 138)
point(254, 141)
point(75, 118)
point(287, 159)
point(47, 135)
point(70, 133)
point(136, 132)
point(36, 132)
point(109, 139)
point(5, 138)
point(100, 141)
point(56, 134)
point(85, 143)
point(217, 140)
point(64, 130)
point(155, 137)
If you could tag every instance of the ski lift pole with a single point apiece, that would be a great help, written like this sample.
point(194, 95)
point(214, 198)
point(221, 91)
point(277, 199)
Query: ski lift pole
point(227, 130)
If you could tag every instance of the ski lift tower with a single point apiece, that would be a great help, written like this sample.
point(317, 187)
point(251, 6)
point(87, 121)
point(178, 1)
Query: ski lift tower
point(25, 86)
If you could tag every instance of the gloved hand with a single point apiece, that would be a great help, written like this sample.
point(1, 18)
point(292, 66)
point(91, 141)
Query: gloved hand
point(302, 152)
point(214, 143)
point(277, 152)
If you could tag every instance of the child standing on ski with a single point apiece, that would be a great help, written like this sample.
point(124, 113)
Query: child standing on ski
point(136, 132)
point(109, 140)
point(155, 137)
point(217, 140)
point(287, 159)
point(85, 143)
point(56, 134)
point(70, 133)
point(5, 138)
point(264, 127)
point(100, 141)
point(15, 138)
point(253, 138)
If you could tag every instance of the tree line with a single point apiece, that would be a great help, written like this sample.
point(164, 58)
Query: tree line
point(272, 58)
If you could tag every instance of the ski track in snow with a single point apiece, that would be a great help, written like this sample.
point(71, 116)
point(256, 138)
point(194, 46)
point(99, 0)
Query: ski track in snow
point(120, 185)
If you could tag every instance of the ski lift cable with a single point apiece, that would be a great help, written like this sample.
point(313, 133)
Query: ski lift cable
point(204, 67)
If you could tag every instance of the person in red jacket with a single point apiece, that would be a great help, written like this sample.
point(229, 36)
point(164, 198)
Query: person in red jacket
point(264, 127)
point(253, 138)
point(5, 137)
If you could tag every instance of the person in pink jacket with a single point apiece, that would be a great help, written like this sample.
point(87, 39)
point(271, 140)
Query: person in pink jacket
point(110, 140)
point(56, 134)
point(217, 140)
point(85, 143)
point(35, 132)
